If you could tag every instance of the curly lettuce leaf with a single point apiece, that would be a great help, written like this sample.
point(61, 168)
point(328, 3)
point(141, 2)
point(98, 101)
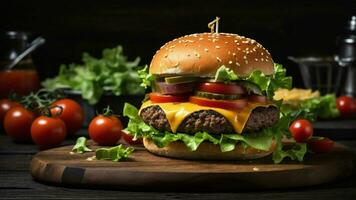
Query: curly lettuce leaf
point(113, 153)
point(225, 74)
point(80, 146)
point(267, 83)
point(145, 77)
point(261, 140)
point(322, 107)
point(111, 73)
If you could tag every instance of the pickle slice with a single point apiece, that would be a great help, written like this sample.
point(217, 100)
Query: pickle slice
point(180, 79)
point(217, 96)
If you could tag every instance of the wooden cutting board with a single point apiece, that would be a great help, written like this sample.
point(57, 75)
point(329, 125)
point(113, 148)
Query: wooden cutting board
point(146, 171)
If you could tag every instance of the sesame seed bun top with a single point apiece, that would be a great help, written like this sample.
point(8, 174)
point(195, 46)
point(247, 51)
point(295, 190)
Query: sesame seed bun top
point(202, 54)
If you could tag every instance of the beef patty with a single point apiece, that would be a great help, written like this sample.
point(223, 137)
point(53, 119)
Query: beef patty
point(209, 120)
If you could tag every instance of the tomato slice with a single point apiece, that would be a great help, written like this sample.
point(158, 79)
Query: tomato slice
point(229, 105)
point(221, 88)
point(257, 98)
point(165, 98)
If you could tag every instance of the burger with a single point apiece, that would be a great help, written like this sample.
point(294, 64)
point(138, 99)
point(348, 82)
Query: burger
point(211, 99)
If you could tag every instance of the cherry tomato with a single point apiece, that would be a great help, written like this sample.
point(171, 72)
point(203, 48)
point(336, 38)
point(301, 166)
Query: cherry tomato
point(224, 104)
point(221, 88)
point(346, 105)
point(6, 105)
point(257, 98)
point(72, 114)
point(165, 98)
point(301, 130)
point(320, 144)
point(48, 132)
point(129, 139)
point(105, 130)
point(17, 124)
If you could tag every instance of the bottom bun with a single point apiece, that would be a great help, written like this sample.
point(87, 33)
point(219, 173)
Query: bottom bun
point(206, 151)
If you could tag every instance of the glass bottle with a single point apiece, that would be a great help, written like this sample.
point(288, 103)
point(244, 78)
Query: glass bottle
point(23, 77)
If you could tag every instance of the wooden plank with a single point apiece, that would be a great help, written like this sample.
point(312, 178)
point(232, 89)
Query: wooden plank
point(145, 170)
point(66, 193)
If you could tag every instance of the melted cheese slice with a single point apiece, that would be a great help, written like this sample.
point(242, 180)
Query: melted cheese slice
point(177, 112)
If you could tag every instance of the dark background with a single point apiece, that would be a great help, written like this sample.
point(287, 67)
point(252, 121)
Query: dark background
point(297, 28)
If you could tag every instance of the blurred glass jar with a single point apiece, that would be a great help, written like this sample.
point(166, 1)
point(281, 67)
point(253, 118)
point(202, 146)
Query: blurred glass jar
point(320, 73)
point(23, 77)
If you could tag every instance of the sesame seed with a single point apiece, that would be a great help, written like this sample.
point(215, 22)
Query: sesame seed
point(246, 61)
point(262, 59)
point(226, 42)
point(229, 52)
point(245, 57)
point(238, 48)
point(247, 49)
point(165, 55)
point(201, 38)
point(217, 58)
point(235, 41)
point(214, 40)
point(218, 47)
point(238, 64)
point(245, 41)
point(230, 62)
point(261, 53)
point(238, 44)
point(206, 50)
point(256, 59)
point(234, 54)
point(197, 55)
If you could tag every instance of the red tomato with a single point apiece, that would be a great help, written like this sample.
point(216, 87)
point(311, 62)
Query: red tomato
point(257, 98)
point(224, 104)
point(48, 132)
point(346, 105)
point(6, 105)
point(165, 98)
point(301, 130)
point(72, 114)
point(104, 130)
point(320, 144)
point(17, 124)
point(129, 139)
point(221, 88)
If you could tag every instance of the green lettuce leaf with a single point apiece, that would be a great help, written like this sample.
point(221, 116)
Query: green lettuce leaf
point(112, 73)
point(145, 77)
point(323, 107)
point(225, 74)
point(267, 83)
point(80, 146)
point(261, 140)
point(113, 153)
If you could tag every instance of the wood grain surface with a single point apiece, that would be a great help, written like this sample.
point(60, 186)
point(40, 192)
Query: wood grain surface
point(144, 170)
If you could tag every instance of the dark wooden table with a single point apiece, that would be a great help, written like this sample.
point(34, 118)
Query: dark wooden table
point(17, 183)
